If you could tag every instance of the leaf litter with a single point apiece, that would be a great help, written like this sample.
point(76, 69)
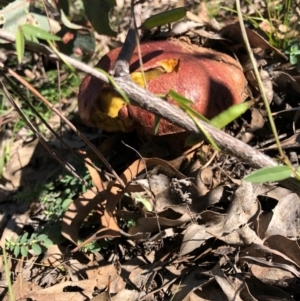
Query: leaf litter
point(198, 233)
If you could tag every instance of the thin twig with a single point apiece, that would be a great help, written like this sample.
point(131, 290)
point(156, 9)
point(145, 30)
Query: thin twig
point(258, 79)
point(70, 124)
point(153, 104)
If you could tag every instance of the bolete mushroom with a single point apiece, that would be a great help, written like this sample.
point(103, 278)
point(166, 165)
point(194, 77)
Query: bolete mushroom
point(212, 80)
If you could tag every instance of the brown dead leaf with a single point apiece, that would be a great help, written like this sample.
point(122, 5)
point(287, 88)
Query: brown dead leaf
point(194, 237)
point(54, 256)
point(189, 284)
point(21, 287)
point(243, 206)
point(285, 82)
point(231, 286)
point(153, 224)
point(288, 248)
point(127, 295)
point(97, 279)
point(204, 180)
point(102, 273)
point(269, 274)
point(231, 228)
point(257, 120)
point(19, 170)
point(233, 32)
point(209, 292)
point(96, 179)
point(285, 220)
point(55, 293)
point(264, 291)
point(78, 211)
point(14, 227)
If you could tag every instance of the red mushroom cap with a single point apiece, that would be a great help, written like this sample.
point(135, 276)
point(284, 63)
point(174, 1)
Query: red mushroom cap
point(214, 81)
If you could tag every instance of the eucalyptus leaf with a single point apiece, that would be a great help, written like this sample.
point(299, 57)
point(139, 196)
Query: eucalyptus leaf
point(97, 12)
point(68, 23)
point(39, 33)
point(13, 16)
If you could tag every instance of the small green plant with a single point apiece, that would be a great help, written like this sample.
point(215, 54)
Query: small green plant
point(94, 246)
point(293, 52)
point(131, 222)
point(277, 13)
point(55, 197)
point(25, 244)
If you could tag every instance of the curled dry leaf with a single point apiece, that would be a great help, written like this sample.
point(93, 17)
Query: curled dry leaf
point(213, 81)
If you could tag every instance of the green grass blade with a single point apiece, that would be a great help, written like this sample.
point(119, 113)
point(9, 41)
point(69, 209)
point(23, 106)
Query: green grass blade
point(114, 84)
point(20, 45)
point(207, 136)
point(230, 115)
point(185, 104)
point(164, 18)
point(180, 99)
point(269, 174)
point(7, 274)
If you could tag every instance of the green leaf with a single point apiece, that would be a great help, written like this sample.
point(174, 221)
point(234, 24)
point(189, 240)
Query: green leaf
point(139, 199)
point(11, 246)
point(185, 104)
point(180, 99)
point(39, 33)
point(66, 203)
point(269, 174)
point(48, 242)
point(114, 84)
point(30, 38)
point(24, 251)
point(13, 15)
point(20, 45)
point(17, 250)
point(42, 237)
point(36, 249)
point(24, 238)
point(164, 18)
point(97, 12)
point(67, 23)
point(203, 130)
point(230, 114)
